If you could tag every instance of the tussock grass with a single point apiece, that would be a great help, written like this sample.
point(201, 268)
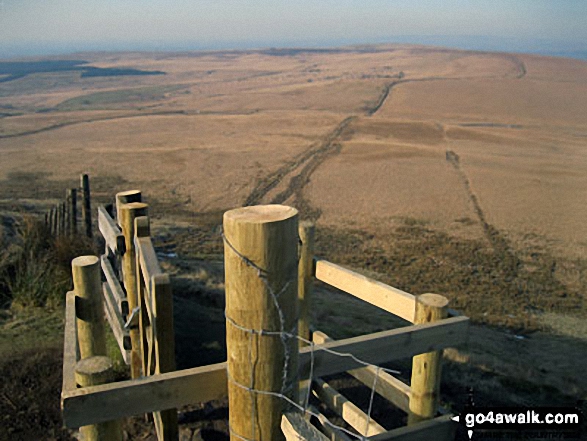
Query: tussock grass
point(35, 269)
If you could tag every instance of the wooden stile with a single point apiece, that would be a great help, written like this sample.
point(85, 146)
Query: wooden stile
point(383, 296)
point(89, 309)
point(426, 368)
point(95, 371)
point(260, 249)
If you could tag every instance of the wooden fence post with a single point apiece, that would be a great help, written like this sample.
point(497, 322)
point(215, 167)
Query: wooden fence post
point(260, 252)
point(95, 371)
point(67, 211)
point(73, 211)
point(426, 368)
point(86, 204)
point(128, 213)
point(52, 221)
point(90, 311)
point(305, 278)
point(126, 197)
point(63, 226)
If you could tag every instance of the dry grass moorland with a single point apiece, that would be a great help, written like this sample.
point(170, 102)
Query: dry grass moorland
point(433, 170)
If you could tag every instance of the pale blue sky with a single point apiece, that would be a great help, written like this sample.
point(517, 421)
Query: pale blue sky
point(64, 25)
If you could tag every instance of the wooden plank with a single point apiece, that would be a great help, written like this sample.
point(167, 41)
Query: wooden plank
point(114, 285)
point(332, 432)
point(148, 394)
point(383, 347)
point(295, 427)
point(116, 323)
point(349, 412)
point(147, 259)
point(389, 387)
point(111, 232)
point(70, 350)
point(438, 429)
point(164, 348)
point(383, 296)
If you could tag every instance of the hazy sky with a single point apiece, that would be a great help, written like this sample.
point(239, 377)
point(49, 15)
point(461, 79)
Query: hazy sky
point(57, 25)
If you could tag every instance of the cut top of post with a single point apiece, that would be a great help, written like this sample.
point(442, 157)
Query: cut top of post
point(260, 214)
point(83, 261)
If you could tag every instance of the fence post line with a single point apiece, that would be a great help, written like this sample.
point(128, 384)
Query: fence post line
point(95, 371)
point(305, 278)
point(426, 368)
point(126, 197)
point(73, 211)
point(90, 310)
point(128, 213)
point(261, 269)
point(86, 204)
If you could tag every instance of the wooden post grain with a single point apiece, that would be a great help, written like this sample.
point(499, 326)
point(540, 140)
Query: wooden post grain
point(90, 322)
point(260, 249)
point(95, 371)
point(126, 197)
point(86, 204)
point(305, 278)
point(73, 211)
point(128, 213)
point(426, 368)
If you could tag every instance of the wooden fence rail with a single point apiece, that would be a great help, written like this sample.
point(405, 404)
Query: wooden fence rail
point(160, 389)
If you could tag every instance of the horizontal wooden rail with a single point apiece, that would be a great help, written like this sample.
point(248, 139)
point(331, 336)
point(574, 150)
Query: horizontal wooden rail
point(383, 296)
point(114, 285)
point(383, 347)
point(70, 349)
point(175, 389)
point(295, 427)
point(438, 429)
point(332, 432)
point(121, 334)
point(111, 232)
point(389, 387)
point(147, 258)
point(349, 412)
point(96, 404)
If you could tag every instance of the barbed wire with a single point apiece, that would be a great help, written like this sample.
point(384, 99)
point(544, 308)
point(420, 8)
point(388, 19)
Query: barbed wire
point(285, 336)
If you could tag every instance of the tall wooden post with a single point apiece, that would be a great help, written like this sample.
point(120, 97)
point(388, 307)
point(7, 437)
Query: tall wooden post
point(95, 371)
point(126, 197)
point(128, 213)
point(305, 278)
point(89, 307)
point(426, 368)
point(260, 252)
point(73, 211)
point(86, 204)
point(67, 211)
